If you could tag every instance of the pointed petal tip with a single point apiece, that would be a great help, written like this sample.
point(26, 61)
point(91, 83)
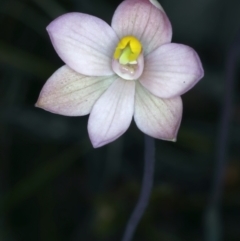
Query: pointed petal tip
point(99, 144)
point(171, 138)
point(99, 141)
point(48, 28)
point(201, 70)
point(156, 4)
point(95, 145)
point(38, 104)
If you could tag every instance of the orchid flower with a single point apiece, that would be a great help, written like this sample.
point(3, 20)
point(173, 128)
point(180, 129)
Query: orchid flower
point(129, 69)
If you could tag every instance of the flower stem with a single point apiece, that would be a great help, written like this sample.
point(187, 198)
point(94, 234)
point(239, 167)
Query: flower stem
point(213, 226)
point(147, 184)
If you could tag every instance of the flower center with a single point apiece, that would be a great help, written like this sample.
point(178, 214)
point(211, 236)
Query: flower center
point(128, 50)
point(128, 58)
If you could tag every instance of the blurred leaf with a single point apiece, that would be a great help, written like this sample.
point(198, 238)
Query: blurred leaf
point(51, 8)
point(25, 61)
point(199, 139)
point(25, 14)
point(43, 174)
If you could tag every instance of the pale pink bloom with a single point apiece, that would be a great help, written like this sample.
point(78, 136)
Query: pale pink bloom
point(130, 69)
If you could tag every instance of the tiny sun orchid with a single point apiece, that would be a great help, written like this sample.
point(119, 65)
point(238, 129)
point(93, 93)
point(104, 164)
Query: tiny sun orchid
point(130, 69)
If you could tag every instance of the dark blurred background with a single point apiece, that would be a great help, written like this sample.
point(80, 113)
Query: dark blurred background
point(54, 186)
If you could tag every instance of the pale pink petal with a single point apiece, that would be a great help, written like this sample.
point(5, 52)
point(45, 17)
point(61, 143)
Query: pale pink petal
point(85, 43)
point(171, 70)
point(143, 20)
point(112, 113)
point(69, 93)
point(156, 117)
